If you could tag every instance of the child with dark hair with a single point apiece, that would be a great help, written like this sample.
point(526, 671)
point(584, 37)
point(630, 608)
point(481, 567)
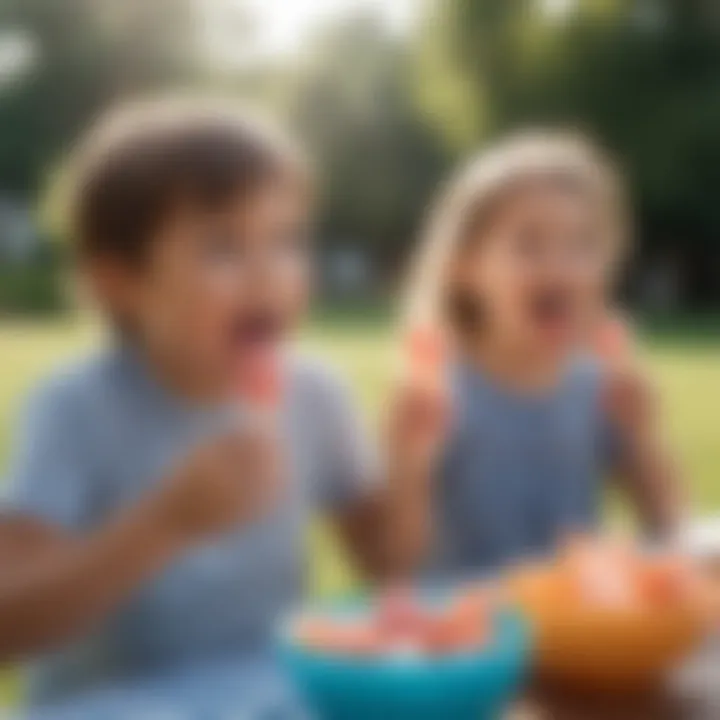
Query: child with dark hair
point(156, 519)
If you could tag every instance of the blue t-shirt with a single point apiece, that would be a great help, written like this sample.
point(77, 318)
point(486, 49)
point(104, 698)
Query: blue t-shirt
point(520, 470)
point(99, 435)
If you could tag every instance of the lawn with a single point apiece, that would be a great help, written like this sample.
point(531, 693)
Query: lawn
point(685, 364)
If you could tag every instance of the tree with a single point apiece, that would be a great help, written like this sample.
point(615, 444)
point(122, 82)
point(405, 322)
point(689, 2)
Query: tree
point(641, 75)
point(86, 53)
point(350, 98)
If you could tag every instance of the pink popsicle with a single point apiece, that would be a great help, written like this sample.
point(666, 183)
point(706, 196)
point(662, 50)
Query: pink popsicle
point(260, 378)
point(613, 339)
point(426, 355)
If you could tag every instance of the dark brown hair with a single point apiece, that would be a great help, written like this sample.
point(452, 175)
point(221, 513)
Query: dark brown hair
point(141, 162)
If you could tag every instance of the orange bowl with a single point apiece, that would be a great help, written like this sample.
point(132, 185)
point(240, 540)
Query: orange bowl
point(600, 648)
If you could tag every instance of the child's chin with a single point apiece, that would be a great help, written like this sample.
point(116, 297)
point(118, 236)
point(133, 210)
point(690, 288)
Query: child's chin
point(556, 340)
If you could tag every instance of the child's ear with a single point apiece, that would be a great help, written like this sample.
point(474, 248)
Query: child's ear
point(111, 284)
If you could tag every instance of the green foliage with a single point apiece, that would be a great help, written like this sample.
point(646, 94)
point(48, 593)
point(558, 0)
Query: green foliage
point(32, 288)
point(351, 101)
point(87, 53)
point(640, 75)
point(384, 117)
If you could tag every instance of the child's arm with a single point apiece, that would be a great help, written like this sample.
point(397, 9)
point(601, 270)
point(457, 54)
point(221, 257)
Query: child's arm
point(388, 532)
point(388, 529)
point(648, 469)
point(55, 585)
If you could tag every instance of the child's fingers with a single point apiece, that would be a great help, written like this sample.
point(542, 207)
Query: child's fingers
point(423, 410)
point(614, 342)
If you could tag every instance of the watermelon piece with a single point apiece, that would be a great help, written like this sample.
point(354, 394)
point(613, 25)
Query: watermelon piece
point(398, 613)
point(426, 355)
point(426, 347)
point(260, 377)
point(464, 625)
point(344, 637)
point(401, 626)
point(613, 340)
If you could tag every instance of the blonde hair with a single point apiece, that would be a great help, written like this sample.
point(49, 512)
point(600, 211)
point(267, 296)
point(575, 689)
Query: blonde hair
point(476, 190)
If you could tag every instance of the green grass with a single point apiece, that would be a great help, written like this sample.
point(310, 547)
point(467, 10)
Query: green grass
point(685, 365)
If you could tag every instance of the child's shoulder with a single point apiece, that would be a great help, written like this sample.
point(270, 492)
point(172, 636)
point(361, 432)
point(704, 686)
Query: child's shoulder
point(73, 386)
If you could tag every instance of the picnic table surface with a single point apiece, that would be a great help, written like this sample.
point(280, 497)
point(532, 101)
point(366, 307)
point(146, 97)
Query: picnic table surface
point(226, 691)
point(257, 688)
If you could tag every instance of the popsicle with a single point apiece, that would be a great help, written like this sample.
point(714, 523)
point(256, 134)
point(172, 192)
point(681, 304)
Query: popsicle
point(260, 380)
point(613, 340)
point(403, 626)
point(425, 355)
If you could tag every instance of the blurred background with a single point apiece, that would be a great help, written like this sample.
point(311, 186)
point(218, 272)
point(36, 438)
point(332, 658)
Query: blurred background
point(387, 95)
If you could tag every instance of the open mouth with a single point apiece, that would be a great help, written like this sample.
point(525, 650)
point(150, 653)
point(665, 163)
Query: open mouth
point(254, 331)
point(551, 309)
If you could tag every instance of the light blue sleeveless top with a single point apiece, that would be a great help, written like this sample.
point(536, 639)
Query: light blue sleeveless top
point(519, 471)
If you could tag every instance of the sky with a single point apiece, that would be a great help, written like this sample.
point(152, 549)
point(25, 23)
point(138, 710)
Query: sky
point(280, 25)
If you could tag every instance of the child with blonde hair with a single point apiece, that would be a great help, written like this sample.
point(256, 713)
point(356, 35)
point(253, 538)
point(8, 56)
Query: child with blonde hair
point(515, 271)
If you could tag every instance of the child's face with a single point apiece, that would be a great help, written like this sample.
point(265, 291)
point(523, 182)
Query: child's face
point(219, 284)
point(539, 268)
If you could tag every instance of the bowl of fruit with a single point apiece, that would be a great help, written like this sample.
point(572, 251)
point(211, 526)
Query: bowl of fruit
point(408, 655)
point(608, 617)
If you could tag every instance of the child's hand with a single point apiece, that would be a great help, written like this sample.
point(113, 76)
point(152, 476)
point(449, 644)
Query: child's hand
point(420, 410)
point(417, 427)
point(229, 481)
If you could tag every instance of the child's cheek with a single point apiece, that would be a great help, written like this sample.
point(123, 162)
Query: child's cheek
point(203, 317)
point(296, 291)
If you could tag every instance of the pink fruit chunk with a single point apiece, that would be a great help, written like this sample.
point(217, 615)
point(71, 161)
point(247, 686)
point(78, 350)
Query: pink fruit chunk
point(260, 378)
point(669, 580)
point(425, 346)
point(348, 637)
point(398, 614)
point(613, 339)
point(425, 357)
point(463, 625)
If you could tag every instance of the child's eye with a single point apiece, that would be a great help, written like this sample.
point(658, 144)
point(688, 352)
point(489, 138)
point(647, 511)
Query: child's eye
point(220, 247)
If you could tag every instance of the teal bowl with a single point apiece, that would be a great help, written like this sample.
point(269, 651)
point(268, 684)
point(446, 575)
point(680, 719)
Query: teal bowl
point(475, 685)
